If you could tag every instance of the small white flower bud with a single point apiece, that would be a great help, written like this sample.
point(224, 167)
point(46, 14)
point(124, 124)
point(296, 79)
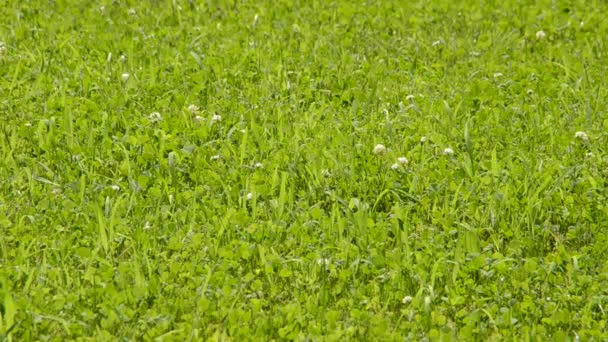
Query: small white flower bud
point(540, 34)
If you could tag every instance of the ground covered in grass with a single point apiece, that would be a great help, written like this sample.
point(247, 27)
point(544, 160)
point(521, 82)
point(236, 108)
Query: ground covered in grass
point(308, 170)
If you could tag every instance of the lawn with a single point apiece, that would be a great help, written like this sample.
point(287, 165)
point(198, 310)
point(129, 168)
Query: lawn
point(303, 170)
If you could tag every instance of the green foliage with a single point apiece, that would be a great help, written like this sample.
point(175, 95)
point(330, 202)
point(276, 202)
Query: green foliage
point(204, 170)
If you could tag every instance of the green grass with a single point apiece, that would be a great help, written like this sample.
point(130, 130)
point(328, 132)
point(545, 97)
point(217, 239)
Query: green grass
point(278, 222)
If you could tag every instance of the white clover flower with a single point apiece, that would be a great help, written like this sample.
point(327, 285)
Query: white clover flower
point(540, 34)
point(147, 225)
point(258, 165)
point(407, 299)
point(215, 157)
point(581, 135)
point(125, 77)
point(379, 150)
point(199, 119)
point(409, 97)
point(216, 118)
point(323, 261)
point(423, 139)
point(194, 110)
point(155, 117)
point(114, 187)
point(448, 151)
point(131, 11)
point(122, 58)
point(395, 167)
point(2, 48)
point(249, 196)
point(402, 161)
point(497, 74)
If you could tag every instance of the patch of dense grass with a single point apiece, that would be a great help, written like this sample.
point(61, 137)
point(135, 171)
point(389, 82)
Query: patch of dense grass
point(187, 170)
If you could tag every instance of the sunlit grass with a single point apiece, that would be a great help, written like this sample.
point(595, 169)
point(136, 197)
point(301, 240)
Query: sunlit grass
point(303, 170)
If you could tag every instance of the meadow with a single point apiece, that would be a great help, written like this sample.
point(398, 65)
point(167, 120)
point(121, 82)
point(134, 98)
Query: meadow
point(232, 170)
